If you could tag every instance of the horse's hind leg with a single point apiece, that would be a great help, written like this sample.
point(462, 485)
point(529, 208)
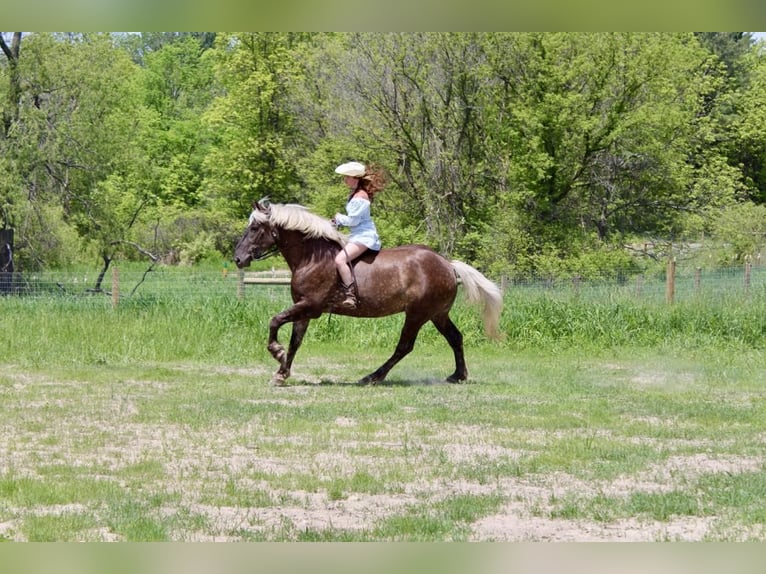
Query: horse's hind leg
point(455, 339)
point(406, 343)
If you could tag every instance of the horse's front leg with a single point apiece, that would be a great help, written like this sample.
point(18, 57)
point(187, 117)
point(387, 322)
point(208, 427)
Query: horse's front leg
point(299, 316)
point(286, 359)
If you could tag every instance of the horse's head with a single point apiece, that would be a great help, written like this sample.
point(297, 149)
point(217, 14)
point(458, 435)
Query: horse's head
point(259, 238)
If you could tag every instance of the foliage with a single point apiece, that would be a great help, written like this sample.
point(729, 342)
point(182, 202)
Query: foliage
point(741, 229)
point(201, 247)
point(251, 156)
point(514, 151)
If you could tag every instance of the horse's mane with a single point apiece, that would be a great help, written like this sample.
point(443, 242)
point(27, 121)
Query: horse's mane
point(298, 218)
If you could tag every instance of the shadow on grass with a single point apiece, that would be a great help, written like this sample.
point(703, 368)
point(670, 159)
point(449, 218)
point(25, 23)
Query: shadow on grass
point(425, 382)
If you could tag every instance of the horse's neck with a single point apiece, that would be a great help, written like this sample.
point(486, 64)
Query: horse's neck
point(300, 251)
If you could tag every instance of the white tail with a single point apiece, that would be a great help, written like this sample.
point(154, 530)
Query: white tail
point(479, 289)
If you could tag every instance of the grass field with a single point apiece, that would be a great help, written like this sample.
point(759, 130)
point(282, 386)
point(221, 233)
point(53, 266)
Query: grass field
point(597, 418)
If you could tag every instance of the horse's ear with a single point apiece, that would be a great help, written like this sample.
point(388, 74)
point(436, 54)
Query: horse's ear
point(264, 204)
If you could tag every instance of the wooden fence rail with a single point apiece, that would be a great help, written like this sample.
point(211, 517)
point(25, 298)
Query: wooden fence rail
point(272, 279)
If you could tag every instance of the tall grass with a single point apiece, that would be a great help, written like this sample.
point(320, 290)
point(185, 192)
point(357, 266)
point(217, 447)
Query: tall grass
point(533, 319)
point(209, 323)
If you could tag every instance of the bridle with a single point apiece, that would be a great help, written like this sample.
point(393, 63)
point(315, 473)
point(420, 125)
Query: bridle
point(274, 249)
point(271, 251)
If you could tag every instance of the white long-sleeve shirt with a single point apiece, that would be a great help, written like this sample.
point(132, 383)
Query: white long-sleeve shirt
point(361, 226)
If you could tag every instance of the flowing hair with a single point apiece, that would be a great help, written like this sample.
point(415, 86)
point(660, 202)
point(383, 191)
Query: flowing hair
point(373, 181)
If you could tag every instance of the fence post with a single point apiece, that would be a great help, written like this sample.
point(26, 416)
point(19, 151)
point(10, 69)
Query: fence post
point(240, 284)
point(748, 270)
point(697, 279)
point(115, 287)
point(670, 286)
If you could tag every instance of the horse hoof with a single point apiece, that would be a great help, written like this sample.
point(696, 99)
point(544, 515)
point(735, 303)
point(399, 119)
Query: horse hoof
point(278, 381)
point(455, 379)
point(368, 380)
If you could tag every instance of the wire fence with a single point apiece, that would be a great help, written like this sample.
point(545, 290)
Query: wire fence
point(172, 282)
point(159, 284)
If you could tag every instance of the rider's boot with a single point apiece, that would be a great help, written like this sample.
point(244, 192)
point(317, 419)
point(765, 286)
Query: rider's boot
point(349, 296)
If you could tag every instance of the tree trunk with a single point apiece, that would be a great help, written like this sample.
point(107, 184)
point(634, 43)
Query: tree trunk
point(100, 279)
point(11, 115)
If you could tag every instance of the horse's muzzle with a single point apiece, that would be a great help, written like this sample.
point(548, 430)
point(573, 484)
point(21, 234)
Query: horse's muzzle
point(242, 262)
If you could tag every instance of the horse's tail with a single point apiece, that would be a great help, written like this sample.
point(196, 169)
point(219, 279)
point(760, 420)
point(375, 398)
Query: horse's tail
point(479, 289)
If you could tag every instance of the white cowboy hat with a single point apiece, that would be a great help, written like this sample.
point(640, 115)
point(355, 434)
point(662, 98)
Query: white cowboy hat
point(352, 168)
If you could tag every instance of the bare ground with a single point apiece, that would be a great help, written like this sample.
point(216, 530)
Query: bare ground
point(194, 459)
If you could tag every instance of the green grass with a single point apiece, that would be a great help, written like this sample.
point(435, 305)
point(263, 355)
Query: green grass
point(212, 325)
point(155, 421)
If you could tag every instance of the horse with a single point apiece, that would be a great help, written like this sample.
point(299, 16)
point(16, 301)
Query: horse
point(413, 279)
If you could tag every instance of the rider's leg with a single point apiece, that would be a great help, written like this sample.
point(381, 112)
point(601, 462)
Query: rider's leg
point(343, 264)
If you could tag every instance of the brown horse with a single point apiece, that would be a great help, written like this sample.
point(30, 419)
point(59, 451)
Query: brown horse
point(412, 279)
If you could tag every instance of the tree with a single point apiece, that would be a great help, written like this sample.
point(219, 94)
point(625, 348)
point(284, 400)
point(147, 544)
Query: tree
point(408, 102)
point(509, 150)
point(730, 48)
point(140, 45)
point(593, 136)
point(178, 88)
point(745, 143)
point(251, 155)
point(78, 115)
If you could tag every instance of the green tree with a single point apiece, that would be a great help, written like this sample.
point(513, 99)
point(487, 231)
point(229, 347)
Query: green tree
point(408, 101)
point(515, 151)
point(140, 45)
point(746, 136)
point(252, 153)
point(75, 130)
point(178, 88)
point(593, 136)
point(730, 48)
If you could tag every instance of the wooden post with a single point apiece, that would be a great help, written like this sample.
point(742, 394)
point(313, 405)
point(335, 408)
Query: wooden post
point(670, 285)
point(115, 287)
point(6, 260)
point(697, 279)
point(240, 284)
point(639, 284)
point(748, 270)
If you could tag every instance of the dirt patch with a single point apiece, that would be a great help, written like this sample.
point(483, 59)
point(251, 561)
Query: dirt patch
point(515, 525)
point(521, 519)
point(111, 435)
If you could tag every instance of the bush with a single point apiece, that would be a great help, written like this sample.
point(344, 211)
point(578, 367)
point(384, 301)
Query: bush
point(201, 247)
point(740, 230)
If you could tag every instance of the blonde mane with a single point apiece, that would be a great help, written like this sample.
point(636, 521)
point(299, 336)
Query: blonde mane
point(298, 218)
